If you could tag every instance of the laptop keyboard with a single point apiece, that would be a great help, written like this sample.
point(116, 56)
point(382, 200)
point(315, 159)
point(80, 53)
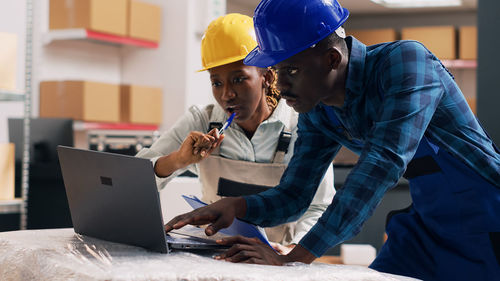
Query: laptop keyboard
point(192, 234)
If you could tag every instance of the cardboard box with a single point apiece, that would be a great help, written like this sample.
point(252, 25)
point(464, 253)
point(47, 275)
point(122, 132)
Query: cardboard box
point(440, 40)
point(80, 100)
point(7, 189)
point(373, 36)
point(467, 43)
point(8, 57)
point(144, 21)
point(142, 105)
point(108, 16)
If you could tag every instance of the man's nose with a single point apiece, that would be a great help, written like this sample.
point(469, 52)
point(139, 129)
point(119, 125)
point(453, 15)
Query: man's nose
point(283, 84)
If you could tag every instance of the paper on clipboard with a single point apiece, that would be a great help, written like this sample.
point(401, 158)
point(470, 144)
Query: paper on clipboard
point(237, 228)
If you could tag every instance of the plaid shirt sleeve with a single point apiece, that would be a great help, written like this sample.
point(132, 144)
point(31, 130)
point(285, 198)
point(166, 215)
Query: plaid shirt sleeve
point(312, 155)
point(411, 90)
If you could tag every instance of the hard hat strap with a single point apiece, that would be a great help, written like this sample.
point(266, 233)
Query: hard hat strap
point(340, 32)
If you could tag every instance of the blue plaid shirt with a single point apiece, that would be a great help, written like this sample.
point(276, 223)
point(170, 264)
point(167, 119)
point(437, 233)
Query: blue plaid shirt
point(395, 93)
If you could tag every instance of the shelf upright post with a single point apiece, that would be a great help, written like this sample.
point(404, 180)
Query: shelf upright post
point(27, 113)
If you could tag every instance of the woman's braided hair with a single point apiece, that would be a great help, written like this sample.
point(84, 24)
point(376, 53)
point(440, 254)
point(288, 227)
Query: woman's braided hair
point(273, 94)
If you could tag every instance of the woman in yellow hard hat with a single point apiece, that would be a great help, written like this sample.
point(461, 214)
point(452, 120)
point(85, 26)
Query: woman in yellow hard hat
point(257, 146)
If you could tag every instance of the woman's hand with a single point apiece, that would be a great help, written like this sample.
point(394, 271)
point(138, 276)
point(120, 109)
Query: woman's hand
point(195, 148)
point(281, 249)
point(252, 250)
point(198, 146)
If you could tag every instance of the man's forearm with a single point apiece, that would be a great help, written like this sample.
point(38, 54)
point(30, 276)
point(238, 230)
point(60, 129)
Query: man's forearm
point(240, 205)
point(300, 254)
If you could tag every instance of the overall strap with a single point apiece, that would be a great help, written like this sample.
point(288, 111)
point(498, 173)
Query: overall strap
point(423, 162)
point(283, 143)
point(285, 138)
point(214, 123)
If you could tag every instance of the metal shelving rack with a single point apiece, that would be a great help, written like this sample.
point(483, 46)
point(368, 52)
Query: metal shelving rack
point(7, 95)
point(27, 113)
point(95, 36)
point(20, 205)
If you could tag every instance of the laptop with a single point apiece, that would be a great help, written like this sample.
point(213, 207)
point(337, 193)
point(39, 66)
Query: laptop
point(114, 197)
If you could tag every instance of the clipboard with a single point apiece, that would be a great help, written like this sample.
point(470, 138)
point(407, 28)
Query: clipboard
point(238, 227)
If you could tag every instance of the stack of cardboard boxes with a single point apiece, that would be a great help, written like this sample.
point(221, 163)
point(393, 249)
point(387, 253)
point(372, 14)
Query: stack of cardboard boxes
point(373, 36)
point(127, 18)
point(104, 102)
point(144, 21)
point(440, 40)
point(101, 102)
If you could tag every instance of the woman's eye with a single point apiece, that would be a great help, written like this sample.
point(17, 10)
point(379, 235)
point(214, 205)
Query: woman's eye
point(216, 84)
point(238, 79)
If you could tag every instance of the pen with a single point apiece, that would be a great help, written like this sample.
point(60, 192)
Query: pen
point(228, 122)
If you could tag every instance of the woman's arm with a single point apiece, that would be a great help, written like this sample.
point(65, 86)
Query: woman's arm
point(196, 147)
point(322, 199)
point(195, 119)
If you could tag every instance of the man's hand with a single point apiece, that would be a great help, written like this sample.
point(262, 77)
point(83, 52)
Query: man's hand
point(250, 250)
point(219, 214)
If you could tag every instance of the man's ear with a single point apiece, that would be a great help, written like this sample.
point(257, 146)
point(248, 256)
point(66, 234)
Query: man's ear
point(334, 57)
point(268, 77)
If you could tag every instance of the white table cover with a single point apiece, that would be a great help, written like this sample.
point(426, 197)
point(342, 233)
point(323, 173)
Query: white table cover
point(60, 254)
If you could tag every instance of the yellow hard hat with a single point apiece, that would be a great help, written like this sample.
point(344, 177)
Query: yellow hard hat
point(227, 39)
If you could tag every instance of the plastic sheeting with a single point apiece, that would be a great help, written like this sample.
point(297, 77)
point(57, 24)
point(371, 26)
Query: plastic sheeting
point(60, 254)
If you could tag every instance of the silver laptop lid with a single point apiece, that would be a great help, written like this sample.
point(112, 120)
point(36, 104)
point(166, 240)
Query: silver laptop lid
point(113, 197)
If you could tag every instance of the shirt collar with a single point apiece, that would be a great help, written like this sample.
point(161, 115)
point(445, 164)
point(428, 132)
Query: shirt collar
point(356, 68)
point(280, 114)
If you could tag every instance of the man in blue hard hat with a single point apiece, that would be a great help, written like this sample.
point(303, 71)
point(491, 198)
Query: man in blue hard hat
point(400, 109)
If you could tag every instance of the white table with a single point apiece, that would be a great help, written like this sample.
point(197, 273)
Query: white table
point(60, 254)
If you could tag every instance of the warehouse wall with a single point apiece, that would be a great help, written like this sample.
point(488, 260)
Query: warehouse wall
point(12, 20)
point(398, 21)
point(172, 66)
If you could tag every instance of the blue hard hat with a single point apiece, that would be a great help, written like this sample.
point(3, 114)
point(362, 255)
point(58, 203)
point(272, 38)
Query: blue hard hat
point(287, 27)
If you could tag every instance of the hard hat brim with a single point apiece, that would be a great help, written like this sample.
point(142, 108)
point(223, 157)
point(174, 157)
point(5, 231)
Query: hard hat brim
point(222, 62)
point(259, 58)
